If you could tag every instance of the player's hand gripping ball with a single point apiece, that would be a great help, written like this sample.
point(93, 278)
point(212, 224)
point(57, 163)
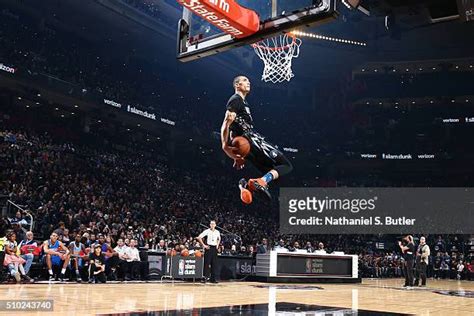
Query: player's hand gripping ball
point(241, 146)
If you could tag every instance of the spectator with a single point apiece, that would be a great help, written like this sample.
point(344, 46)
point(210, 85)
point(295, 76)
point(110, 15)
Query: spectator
point(19, 219)
point(122, 250)
point(160, 246)
point(77, 250)
point(437, 266)
point(65, 237)
point(440, 245)
point(133, 260)
point(281, 246)
point(111, 257)
point(251, 251)
point(92, 239)
point(97, 265)
point(296, 246)
point(19, 231)
point(320, 249)
point(470, 270)
point(13, 261)
point(60, 230)
point(27, 248)
point(444, 269)
point(460, 270)
point(55, 253)
point(263, 247)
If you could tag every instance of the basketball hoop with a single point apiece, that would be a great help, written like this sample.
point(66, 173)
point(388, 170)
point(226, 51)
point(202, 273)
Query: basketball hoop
point(277, 55)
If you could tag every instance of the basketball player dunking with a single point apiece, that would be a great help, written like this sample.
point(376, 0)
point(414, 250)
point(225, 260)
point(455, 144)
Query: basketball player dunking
point(266, 157)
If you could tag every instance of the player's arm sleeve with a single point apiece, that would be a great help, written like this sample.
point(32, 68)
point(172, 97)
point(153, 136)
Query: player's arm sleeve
point(234, 105)
point(203, 234)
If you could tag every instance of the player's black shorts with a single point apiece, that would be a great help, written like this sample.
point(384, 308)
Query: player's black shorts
point(266, 156)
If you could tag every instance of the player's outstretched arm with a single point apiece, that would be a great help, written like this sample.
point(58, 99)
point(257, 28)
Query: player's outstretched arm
point(228, 119)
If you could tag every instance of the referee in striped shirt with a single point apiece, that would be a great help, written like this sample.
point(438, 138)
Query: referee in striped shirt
point(213, 239)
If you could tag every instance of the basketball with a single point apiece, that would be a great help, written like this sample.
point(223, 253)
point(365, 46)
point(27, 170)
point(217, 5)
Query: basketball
point(242, 146)
point(185, 253)
point(198, 253)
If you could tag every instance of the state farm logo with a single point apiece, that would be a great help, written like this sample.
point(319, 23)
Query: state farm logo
point(7, 69)
point(205, 10)
point(223, 4)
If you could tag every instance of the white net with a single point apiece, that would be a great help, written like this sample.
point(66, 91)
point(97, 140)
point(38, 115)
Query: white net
point(277, 55)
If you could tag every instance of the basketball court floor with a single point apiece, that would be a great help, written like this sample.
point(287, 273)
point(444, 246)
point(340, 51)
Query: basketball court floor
point(372, 297)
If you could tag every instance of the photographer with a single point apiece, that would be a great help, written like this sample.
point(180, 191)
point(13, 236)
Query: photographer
point(408, 250)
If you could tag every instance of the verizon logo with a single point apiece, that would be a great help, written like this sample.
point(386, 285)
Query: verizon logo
point(212, 16)
point(223, 4)
point(7, 69)
point(113, 103)
point(167, 121)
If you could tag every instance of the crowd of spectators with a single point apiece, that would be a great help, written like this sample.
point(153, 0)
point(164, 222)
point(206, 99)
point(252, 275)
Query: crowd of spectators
point(450, 259)
point(90, 193)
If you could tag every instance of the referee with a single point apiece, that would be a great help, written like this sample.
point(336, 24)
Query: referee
point(210, 256)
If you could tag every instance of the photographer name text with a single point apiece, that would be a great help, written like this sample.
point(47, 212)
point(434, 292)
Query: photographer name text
point(344, 221)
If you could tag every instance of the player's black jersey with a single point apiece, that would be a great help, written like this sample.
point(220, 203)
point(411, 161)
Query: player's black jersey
point(263, 155)
point(243, 122)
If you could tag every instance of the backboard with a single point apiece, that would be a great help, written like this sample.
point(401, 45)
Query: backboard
point(198, 38)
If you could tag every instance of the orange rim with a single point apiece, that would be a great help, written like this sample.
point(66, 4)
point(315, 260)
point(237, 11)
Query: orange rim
point(256, 45)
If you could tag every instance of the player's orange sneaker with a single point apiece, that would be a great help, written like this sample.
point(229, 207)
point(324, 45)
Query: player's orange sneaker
point(261, 187)
point(245, 194)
